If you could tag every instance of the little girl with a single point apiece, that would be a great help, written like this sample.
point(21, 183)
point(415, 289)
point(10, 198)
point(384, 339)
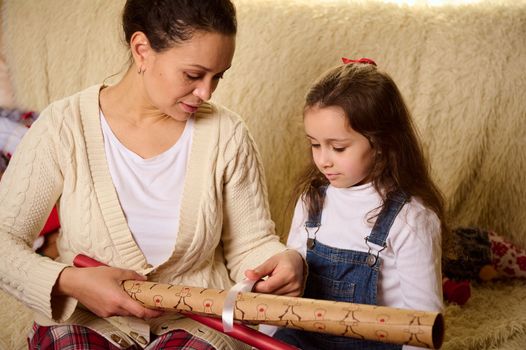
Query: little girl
point(368, 216)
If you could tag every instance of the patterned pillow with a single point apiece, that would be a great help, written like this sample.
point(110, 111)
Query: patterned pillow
point(13, 126)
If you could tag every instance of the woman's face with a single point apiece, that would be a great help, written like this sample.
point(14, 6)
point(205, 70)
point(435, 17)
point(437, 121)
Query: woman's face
point(178, 80)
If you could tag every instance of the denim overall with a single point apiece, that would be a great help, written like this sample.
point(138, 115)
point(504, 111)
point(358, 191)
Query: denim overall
point(344, 275)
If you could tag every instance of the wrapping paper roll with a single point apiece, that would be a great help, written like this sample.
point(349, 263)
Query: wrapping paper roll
point(385, 324)
point(238, 331)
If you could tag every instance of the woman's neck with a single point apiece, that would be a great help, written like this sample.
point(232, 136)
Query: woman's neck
point(127, 101)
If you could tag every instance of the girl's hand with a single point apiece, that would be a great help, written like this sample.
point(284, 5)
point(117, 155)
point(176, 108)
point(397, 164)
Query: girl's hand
point(99, 289)
point(285, 274)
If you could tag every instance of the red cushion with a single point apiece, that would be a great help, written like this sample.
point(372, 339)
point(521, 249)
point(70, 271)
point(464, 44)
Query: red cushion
point(52, 223)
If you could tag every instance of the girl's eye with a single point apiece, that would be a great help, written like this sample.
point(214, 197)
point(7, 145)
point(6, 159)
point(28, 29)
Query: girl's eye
point(339, 149)
point(314, 145)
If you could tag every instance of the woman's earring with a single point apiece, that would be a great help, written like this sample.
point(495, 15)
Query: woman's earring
point(140, 70)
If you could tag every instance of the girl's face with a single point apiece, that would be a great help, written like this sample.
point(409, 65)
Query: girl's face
point(178, 80)
point(343, 155)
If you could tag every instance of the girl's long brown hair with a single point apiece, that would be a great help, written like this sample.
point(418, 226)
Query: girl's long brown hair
point(375, 108)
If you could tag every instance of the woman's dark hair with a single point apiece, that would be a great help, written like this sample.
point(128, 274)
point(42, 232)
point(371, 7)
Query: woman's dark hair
point(374, 107)
point(167, 22)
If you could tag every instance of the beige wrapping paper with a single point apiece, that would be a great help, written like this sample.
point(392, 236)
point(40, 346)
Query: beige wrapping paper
point(385, 324)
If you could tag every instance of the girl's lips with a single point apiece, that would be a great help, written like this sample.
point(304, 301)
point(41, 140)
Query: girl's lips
point(331, 176)
point(189, 108)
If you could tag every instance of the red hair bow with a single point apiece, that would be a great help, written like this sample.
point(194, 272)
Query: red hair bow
point(361, 60)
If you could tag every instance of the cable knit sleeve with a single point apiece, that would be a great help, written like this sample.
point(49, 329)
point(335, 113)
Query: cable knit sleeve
point(29, 188)
point(248, 231)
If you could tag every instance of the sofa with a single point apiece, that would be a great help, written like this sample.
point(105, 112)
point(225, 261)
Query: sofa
point(461, 68)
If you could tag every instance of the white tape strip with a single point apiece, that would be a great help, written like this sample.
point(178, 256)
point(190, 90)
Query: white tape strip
point(230, 303)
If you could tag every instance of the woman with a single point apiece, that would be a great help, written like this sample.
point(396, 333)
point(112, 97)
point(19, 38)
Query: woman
point(150, 179)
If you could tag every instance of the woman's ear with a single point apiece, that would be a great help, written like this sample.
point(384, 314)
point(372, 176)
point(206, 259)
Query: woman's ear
point(141, 50)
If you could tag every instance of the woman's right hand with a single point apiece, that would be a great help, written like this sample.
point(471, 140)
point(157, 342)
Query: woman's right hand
point(99, 289)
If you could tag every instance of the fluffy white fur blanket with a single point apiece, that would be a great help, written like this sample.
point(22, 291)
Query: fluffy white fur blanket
point(461, 68)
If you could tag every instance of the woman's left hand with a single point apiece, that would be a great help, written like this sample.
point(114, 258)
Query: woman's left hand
point(285, 274)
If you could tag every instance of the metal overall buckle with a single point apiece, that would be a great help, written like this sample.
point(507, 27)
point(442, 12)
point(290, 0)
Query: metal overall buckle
point(371, 257)
point(311, 242)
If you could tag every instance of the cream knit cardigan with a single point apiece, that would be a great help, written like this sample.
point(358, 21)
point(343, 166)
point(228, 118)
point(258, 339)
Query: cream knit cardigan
point(225, 226)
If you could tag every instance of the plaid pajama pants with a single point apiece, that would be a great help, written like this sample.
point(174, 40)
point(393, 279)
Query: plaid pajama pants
point(72, 337)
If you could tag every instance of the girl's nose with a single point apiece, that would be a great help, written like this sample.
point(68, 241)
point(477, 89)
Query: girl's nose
point(325, 159)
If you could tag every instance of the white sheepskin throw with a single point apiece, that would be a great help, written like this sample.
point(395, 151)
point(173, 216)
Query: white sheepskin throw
point(462, 70)
point(6, 92)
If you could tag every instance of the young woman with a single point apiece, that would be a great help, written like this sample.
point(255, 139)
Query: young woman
point(150, 179)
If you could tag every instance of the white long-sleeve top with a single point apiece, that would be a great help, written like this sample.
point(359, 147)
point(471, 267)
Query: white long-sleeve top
point(410, 275)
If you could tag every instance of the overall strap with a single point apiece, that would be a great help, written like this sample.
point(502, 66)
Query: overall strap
point(314, 219)
point(385, 219)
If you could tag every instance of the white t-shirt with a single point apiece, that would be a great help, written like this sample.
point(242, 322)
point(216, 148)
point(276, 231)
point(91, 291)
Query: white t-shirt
point(150, 191)
point(410, 276)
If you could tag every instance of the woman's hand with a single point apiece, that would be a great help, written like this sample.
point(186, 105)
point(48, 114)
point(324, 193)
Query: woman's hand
point(285, 274)
point(99, 289)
